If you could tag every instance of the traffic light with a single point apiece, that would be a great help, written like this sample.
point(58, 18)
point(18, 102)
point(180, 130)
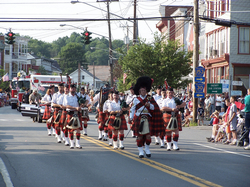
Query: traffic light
point(86, 37)
point(10, 38)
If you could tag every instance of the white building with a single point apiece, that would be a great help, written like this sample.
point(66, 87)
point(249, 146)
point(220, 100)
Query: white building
point(86, 79)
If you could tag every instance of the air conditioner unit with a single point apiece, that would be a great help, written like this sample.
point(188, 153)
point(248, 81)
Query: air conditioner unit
point(215, 52)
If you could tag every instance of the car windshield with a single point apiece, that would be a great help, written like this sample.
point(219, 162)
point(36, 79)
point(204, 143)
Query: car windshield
point(21, 84)
point(42, 93)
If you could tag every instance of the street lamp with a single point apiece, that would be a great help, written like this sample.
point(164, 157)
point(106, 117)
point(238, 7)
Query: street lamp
point(62, 25)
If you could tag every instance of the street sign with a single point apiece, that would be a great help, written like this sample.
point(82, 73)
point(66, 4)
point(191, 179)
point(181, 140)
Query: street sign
point(236, 92)
point(199, 87)
point(199, 79)
point(199, 71)
point(214, 88)
point(225, 85)
point(237, 83)
point(199, 95)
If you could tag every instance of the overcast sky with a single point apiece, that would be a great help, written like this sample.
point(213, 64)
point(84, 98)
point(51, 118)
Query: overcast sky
point(64, 9)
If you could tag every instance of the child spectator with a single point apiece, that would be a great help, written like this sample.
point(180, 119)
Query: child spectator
point(200, 115)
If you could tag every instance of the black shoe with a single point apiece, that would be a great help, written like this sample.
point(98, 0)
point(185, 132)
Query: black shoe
point(133, 137)
point(66, 144)
point(148, 155)
point(121, 148)
point(157, 143)
point(176, 149)
point(59, 142)
point(85, 134)
point(71, 147)
point(99, 138)
point(104, 139)
point(168, 149)
point(141, 156)
point(162, 146)
point(49, 134)
point(79, 147)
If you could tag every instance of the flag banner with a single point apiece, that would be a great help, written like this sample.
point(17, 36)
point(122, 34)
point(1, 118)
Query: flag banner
point(33, 85)
point(41, 87)
point(124, 77)
point(5, 77)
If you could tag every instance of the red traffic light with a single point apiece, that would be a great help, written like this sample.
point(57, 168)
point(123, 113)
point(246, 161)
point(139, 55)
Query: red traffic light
point(10, 34)
point(86, 34)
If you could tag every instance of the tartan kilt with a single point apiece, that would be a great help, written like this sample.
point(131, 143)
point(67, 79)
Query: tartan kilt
point(136, 124)
point(123, 123)
point(56, 110)
point(101, 118)
point(47, 112)
point(166, 119)
point(83, 119)
point(69, 116)
point(63, 118)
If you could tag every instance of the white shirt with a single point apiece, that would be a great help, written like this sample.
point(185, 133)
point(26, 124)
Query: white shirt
point(218, 101)
point(156, 97)
point(130, 98)
point(61, 98)
point(115, 106)
point(107, 105)
point(47, 98)
point(142, 110)
point(207, 101)
point(56, 97)
point(169, 103)
point(85, 95)
point(211, 100)
point(96, 99)
point(70, 100)
point(159, 102)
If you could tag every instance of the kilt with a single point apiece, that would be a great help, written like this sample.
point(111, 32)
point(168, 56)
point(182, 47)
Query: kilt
point(123, 123)
point(83, 119)
point(47, 112)
point(56, 111)
point(69, 116)
point(166, 119)
point(101, 118)
point(63, 118)
point(136, 124)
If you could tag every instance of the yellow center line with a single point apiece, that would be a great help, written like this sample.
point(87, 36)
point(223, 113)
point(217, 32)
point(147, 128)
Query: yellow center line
point(164, 168)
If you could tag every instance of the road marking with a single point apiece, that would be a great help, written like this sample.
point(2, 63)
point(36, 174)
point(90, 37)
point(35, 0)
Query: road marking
point(12, 119)
point(3, 120)
point(5, 174)
point(231, 152)
point(164, 168)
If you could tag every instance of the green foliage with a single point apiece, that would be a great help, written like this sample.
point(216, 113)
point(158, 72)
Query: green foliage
point(159, 60)
point(42, 71)
point(70, 55)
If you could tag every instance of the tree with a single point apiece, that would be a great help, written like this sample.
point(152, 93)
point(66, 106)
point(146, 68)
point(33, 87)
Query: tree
point(42, 70)
point(159, 60)
point(70, 55)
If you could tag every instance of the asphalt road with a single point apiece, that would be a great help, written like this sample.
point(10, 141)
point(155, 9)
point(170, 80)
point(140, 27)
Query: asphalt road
point(28, 158)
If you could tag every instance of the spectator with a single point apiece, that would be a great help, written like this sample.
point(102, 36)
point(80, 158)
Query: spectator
point(212, 104)
point(200, 115)
point(34, 98)
point(232, 120)
point(26, 95)
point(222, 112)
point(188, 117)
point(207, 106)
point(247, 116)
point(218, 103)
point(223, 101)
point(215, 122)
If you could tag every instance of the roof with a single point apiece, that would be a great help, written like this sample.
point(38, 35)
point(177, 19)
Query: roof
point(85, 71)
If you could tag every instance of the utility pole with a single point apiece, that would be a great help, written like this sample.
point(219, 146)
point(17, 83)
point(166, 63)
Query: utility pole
point(93, 74)
point(127, 34)
point(195, 54)
point(110, 48)
point(134, 32)
point(79, 76)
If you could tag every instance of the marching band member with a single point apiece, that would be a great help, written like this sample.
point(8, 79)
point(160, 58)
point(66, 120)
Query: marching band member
point(156, 97)
point(117, 122)
point(129, 102)
point(85, 118)
point(159, 102)
point(62, 119)
point(172, 118)
point(57, 110)
point(107, 109)
point(72, 119)
point(47, 112)
point(146, 115)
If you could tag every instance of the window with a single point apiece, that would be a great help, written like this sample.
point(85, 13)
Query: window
point(244, 40)
point(211, 44)
point(82, 77)
point(222, 42)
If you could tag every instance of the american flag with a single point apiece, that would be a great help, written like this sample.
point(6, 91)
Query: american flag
point(124, 77)
point(33, 85)
point(5, 77)
point(41, 87)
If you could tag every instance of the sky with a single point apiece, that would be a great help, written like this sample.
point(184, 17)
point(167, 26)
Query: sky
point(51, 31)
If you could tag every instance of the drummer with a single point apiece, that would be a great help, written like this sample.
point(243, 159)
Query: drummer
point(85, 116)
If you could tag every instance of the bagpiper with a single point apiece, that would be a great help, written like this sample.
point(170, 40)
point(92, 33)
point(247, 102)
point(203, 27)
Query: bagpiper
point(146, 115)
